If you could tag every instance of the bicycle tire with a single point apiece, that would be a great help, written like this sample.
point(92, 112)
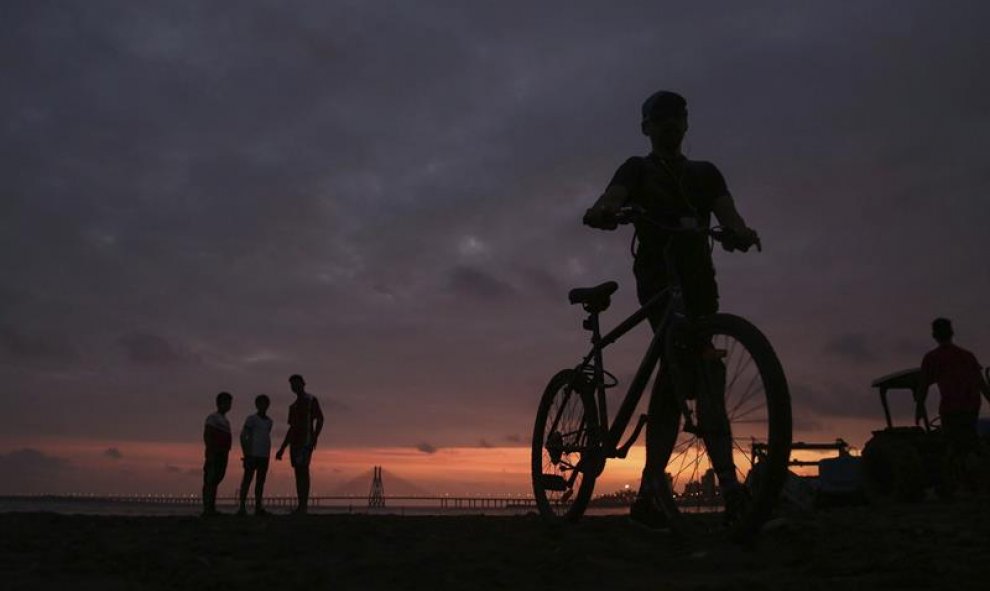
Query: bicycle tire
point(761, 414)
point(567, 408)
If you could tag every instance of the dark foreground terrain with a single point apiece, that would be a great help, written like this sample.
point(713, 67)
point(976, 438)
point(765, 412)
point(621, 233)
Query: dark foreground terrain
point(925, 546)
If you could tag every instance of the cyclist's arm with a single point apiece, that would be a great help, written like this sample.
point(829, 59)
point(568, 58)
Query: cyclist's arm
point(612, 199)
point(728, 217)
point(724, 209)
point(599, 215)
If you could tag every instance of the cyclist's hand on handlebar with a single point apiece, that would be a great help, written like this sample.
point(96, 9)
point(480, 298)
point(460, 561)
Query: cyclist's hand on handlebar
point(601, 218)
point(741, 239)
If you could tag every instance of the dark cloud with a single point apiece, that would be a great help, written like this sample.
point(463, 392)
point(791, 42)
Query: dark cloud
point(19, 346)
point(824, 403)
point(30, 460)
point(391, 199)
point(29, 470)
point(172, 469)
point(854, 347)
point(113, 453)
point(544, 284)
point(474, 283)
point(333, 405)
point(485, 444)
point(150, 349)
point(806, 423)
point(912, 348)
point(427, 448)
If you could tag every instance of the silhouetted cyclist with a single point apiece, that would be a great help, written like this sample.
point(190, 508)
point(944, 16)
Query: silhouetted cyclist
point(960, 382)
point(670, 187)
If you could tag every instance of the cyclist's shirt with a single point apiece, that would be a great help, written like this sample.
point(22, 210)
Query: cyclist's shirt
point(669, 191)
point(302, 412)
point(957, 373)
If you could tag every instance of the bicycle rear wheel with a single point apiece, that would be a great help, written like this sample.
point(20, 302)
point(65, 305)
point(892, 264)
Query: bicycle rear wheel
point(727, 475)
point(565, 448)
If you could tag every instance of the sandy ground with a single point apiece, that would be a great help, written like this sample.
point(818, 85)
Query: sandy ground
point(925, 546)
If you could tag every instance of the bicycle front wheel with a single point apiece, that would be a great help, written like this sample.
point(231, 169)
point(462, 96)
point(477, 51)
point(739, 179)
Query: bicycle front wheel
point(728, 473)
point(565, 448)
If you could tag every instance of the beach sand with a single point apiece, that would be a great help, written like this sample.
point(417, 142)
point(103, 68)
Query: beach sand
point(927, 546)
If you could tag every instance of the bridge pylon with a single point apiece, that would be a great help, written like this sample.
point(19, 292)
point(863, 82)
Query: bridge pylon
point(376, 498)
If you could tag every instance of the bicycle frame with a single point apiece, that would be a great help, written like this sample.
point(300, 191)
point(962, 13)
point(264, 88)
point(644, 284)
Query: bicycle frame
point(668, 300)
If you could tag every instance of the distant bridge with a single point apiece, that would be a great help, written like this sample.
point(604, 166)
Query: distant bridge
point(425, 501)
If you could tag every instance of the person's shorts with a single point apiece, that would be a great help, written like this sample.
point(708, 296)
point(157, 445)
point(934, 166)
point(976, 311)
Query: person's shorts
point(698, 285)
point(214, 468)
point(300, 456)
point(259, 465)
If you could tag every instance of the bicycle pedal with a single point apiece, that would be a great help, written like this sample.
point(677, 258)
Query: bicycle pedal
point(713, 353)
point(693, 429)
point(555, 447)
point(553, 482)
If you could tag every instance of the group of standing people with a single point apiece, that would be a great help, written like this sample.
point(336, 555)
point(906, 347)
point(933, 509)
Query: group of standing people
point(305, 424)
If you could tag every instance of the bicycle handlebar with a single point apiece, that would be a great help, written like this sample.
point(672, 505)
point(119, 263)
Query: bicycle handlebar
point(725, 236)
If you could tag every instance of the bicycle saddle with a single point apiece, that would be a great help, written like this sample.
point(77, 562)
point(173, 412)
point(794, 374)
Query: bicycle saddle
point(595, 299)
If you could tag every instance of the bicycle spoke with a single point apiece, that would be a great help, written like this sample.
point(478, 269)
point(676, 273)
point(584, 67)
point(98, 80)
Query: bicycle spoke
point(748, 393)
point(563, 406)
point(739, 418)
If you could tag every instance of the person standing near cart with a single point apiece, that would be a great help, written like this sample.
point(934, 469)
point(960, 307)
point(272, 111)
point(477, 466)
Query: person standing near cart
point(960, 383)
point(305, 424)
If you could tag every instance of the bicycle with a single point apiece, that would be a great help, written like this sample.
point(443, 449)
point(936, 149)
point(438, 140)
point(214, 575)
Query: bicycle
point(573, 438)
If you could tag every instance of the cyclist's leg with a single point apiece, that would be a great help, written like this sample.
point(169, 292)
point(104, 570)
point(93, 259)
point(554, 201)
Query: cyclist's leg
point(661, 434)
point(701, 299)
point(662, 426)
point(713, 418)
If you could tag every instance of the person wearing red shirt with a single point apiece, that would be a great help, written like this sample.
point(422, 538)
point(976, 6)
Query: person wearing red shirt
point(216, 437)
point(960, 383)
point(305, 424)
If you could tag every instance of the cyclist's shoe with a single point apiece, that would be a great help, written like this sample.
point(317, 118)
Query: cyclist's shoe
point(737, 504)
point(645, 513)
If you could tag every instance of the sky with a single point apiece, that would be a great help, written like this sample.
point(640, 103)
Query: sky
point(386, 198)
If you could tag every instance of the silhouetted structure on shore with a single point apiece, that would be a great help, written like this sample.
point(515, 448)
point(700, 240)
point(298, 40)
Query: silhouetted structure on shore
point(376, 498)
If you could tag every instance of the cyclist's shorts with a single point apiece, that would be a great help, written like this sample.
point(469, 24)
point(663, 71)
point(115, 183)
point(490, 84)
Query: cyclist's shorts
point(698, 285)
